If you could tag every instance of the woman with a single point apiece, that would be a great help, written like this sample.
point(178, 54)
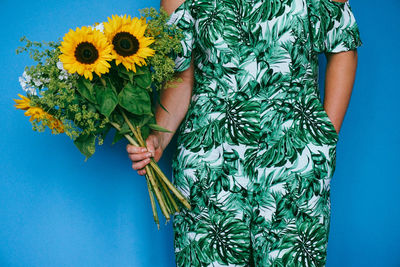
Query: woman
point(256, 147)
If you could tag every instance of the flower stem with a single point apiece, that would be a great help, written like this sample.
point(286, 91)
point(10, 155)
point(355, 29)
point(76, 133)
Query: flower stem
point(168, 204)
point(155, 175)
point(170, 197)
point(149, 178)
point(157, 191)
point(167, 194)
point(169, 184)
point(134, 131)
point(103, 82)
point(153, 203)
point(163, 179)
point(127, 136)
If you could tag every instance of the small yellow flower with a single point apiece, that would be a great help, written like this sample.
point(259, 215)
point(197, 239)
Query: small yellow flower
point(35, 113)
point(22, 103)
point(38, 114)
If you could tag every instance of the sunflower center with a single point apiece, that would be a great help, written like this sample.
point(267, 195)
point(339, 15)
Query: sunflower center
point(125, 44)
point(86, 53)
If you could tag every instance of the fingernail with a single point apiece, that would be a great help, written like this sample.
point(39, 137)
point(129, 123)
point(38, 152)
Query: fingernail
point(149, 154)
point(143, 149)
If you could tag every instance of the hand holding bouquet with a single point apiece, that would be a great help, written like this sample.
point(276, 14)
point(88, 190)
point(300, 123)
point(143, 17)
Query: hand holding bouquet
point(106, 76)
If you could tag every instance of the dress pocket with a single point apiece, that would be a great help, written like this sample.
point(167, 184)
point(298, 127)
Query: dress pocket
point(327, 120)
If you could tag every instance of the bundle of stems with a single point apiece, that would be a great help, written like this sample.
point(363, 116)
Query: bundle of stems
point(94, 78)
point(157, 183)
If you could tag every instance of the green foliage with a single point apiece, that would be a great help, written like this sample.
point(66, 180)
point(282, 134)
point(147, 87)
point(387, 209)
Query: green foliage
point(86, 144)
point(144, 80)
point(167, 44)
point(85, 88)
point(158, 128)
point(58, 92)
point(117, 98)
point(86, 107)
point(106, 97)
point(135, 100)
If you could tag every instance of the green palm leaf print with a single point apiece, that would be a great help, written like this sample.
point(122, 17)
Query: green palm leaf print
point(256, 149)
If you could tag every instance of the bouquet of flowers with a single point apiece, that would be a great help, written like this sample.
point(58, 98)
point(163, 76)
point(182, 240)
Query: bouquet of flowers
point(106, 76)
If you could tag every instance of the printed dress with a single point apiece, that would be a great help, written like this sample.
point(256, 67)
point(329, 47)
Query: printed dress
point(256, 150)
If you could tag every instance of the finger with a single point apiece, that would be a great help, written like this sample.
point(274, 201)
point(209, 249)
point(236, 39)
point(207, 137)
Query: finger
point(139, 156)
point(135, 149)
point(157, 158)
point(142, 172)
point(140, 164)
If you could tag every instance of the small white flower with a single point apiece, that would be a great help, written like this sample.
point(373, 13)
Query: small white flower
point(100, 27)
point(60, 65)
point(25, 81)
point(31, 91)
point(26, 77)
point(64, 74)
point(22, 82)
point(37, 82)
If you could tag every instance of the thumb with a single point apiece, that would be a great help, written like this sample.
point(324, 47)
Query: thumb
point(150, 145)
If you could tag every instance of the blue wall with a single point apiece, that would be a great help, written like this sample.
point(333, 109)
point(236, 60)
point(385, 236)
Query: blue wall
point(57, 210)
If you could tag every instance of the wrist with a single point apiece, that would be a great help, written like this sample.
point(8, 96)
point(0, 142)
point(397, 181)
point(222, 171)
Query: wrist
point(162, 138)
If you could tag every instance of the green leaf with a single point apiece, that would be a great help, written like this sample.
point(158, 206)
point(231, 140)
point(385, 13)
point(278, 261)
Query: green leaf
point(104, 131)
point(86, 144)
point(142, 120)
point(117, 137)
point(92, 107)
point(130, 74)
point(125, 129)
point(85, 88)
point(135, 100)
point(159, 102)
point(145, 130)
point(144, 80)
point(106, 98)
point(158, 128)
point(140, 70)
point(125, 74)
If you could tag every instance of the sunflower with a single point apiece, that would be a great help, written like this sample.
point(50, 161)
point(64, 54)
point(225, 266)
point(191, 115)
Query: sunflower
point(23, 103)
point(130, 46)
point(38, 114)
point(86, 50)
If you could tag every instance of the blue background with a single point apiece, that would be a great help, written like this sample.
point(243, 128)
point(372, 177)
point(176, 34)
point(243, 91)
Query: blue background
point(58, 210)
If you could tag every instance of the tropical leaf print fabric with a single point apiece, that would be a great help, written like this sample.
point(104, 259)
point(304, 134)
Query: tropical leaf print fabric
point(333, 26)
point(256, 150)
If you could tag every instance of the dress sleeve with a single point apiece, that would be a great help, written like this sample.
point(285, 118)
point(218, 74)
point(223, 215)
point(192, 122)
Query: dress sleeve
point(334, 27)
point(183, 20)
